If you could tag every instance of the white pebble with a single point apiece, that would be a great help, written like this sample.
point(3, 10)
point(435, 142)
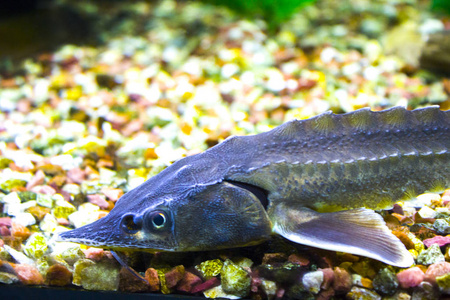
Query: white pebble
point(24, 219)
point(426, 212)
point(312, 281)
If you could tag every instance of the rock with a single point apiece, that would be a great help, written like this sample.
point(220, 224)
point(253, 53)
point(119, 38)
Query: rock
point(442, 226)
point(299, 259)
point(342, 281)
point(312, 281)
point(98, 200)
point(439, 240)
point(269, 288)
point(38, 179)
point(398, 296)
point(326, 294)
point(271, 258)
point(19, 231)
point(8, 278)
point(130, 283)
point(28, 274)
point(210, 268)
point(151, 275)
point(385, 282)
point(210, 283)
point(443, 283)
point(430, 256)
point(410, 277)
point(427, 212)
point(358, 293)
point(328, 278)
point(360, 281)
point(63, 209)
point(95, 254)
point(188, 281)
point(36, 245)
point(174, 276)
point(218, 292)
point(436, 270)
point(235, 280)
point(58, 275)
point(102, 276)
point(425, 291)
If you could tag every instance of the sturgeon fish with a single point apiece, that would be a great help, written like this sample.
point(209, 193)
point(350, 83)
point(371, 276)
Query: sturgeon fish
point(315, 182)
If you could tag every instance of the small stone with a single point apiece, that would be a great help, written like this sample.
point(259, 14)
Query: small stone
point(103, 276)
point(128, 282)
point(398, 296)
point(435, 270)
point(427, 212)
point(385, 282)
point(442, 226)
point(358, 293)
point(95, 254)
point(112, 193)
point(210, 268)
point(58, 275)
point(430, 256)
point(235, 280)
point(36, 245)
point(188, 281)
point(328, 278)
point(299, 259)
point(38, 179)
point(98, 200)
point(439, 240)
point(364, 268)
point(360, 281)
point(151, 275)
point(174, 276)
point(70, 254)
point(271, 258)
point(312, 281)
point(12, 184)
point(19, 231)
point(39, 212)
point(404, 238)
point(342, 281)
point(76, 175)
point(425, 291)
point(44, 200)
point(443, 283)
point(410, 277)
point(210, 283)
point(269, 288)
point(8, 278)
point(28, 275)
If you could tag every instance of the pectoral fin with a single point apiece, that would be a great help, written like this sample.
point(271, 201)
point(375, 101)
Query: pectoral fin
point(359, 231)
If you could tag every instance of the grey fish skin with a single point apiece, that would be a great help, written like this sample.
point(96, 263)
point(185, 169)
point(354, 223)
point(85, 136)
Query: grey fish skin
point(320, 177)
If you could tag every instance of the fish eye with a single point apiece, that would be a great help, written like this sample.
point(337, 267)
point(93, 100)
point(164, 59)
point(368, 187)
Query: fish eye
point(130, 223)
point(157, 219)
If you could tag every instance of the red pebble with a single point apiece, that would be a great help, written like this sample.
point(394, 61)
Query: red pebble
point(299, 260)
point(328, 278)
point(98, 200)
point(76, 175)
point(411, 277)
point(94, 254)
point(440, 240)
point(63, 222)
point(151, 275)
point(208, 284)
point(5, 221)
point(342, 281)
point(188, 281)
point(38, 179)
point(436, 270)
point(4, 231)
point(58, 275)
point(174, 276)
point(28, 275)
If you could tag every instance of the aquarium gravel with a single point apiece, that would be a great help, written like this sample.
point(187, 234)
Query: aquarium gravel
point(83, 125)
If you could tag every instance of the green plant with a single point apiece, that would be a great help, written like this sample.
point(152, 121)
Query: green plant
point(274, 12)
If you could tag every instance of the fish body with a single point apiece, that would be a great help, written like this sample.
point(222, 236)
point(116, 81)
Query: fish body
point(315, 182)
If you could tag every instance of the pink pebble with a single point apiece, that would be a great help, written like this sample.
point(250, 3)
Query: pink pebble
point(5, 221)
point(94, 254)
point(188, 281)
point(328, 278)
point(436, 270)
point(43, 189)
point(210, 283)
point(4, 231)
point(255, 284)
point(411, 277)
point(28, 275)
point(440, 240)
point(76, 175)
point(63, 222)
point(38, 179)
point(98, 200)
point(112, 193)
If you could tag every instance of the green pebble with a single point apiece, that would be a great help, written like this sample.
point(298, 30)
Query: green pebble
point(71, 255)
point(8, 278)
point(443, 283)
point(385, 282)
point(103, 276)
point(63, 209)
point(27, 196)
point(430, 256)
point(442, 226)
point(10, 184)
point(162, 280)
point(44, 200)
point(4, 162)
point(36, 246)
point(235, 280)
point(358, 293)
point(210, 268)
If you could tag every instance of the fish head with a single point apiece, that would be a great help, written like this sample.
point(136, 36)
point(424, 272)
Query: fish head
point(178, 215)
